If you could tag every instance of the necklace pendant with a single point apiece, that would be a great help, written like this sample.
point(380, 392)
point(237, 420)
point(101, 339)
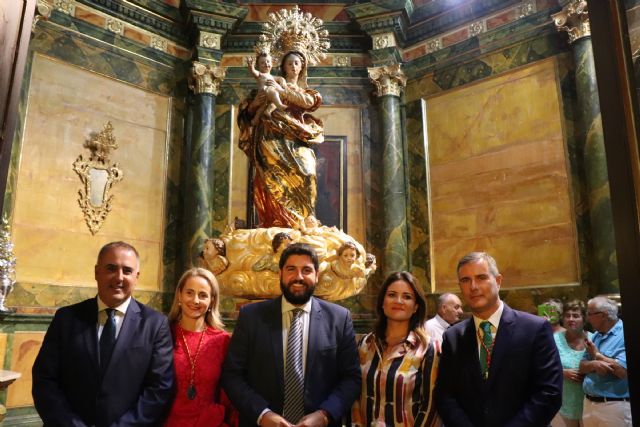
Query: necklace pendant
point(191, 392)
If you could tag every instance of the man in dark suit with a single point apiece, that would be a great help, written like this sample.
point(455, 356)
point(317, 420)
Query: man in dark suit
point(106, 361)
point(260, 368)
point(501, 367)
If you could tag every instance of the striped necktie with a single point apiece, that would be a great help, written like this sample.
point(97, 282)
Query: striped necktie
point(294, 376)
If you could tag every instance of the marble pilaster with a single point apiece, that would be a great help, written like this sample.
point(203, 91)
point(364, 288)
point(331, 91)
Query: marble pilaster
point(603, 275)
point(389, 82)
point(198, 156)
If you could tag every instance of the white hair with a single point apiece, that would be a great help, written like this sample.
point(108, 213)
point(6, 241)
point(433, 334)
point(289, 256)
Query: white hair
point(605, 305)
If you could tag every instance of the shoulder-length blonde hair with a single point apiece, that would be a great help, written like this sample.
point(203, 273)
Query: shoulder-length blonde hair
point(212, 316)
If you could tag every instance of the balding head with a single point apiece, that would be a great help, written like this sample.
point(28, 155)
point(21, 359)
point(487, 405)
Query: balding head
point(449, 307)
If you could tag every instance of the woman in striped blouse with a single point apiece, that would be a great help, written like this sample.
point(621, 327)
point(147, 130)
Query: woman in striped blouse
point(399, 361)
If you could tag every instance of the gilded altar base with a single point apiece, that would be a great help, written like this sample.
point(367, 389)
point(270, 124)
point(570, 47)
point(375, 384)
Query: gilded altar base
point(252, 272)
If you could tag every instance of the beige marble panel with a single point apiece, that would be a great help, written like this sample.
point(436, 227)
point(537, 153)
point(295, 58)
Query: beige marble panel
point(66, 104)
point(339, 121)
point(499, 180)
point(24, 351)
point(3, 350)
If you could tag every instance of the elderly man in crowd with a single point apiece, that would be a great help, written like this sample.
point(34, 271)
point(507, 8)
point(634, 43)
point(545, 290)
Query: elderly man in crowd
point(448, 312)
point(605, 386)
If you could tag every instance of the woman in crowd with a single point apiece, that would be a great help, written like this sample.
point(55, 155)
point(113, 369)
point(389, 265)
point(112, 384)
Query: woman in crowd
point(200, 345)
point(398, 360)
point(571, 346)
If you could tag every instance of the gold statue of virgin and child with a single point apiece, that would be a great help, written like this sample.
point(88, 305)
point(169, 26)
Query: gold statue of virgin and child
point(277, 133)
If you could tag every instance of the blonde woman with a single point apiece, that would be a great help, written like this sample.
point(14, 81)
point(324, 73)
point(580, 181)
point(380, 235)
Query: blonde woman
point(200, 345)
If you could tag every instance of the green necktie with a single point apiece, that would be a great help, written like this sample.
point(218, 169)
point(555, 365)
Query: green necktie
point(485, 348)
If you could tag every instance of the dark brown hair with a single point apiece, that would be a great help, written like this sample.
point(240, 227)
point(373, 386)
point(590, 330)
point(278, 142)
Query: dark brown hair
point(417, 319)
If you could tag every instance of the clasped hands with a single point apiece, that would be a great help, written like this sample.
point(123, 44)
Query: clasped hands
point(314, 419)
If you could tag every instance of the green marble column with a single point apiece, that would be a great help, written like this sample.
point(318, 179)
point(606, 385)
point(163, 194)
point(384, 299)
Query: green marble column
point(389, 81)
point(197, 184)
point(602, 269)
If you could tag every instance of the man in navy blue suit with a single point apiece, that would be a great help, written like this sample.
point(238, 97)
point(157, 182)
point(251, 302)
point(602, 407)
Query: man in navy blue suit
point(254, 370)
point(106, 361)
point(501, 367)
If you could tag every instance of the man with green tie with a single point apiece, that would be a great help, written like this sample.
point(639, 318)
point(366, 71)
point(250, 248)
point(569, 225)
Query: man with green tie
point(500, 367)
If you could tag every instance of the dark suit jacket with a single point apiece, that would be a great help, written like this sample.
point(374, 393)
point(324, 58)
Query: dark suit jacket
point(253, 372)
point(137, 386)
point(524, 387)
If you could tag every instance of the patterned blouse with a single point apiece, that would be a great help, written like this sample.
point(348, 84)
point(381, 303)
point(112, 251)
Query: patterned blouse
point(397, 389)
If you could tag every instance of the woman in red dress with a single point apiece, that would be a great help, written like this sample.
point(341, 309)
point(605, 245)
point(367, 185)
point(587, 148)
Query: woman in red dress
point(200, 345)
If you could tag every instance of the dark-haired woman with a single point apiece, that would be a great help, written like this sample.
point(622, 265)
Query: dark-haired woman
point(398, 360)
point(199, 350)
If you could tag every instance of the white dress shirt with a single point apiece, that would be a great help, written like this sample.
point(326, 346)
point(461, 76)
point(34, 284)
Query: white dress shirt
point(435, 327)
point(494, 319)
point(119, 313)
point(287, 316)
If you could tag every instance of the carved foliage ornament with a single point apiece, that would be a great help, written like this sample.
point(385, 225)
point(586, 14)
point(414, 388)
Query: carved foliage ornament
point(574, 19)
point(384, 40)
point(65, 6)
point(43, 11)
point(389, 80)
point(209, 40)
point(288, 30)
point(206, 78)
point(97, 176)
point(7, 265)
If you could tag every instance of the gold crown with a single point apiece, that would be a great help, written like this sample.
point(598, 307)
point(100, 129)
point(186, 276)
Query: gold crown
point(288, 30)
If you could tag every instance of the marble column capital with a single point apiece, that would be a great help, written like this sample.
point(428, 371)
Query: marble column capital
point(574, 19)
point(204, 78)
point(389, 79)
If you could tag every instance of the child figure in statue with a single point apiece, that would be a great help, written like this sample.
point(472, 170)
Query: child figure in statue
point(264, 63)
point(345, 266)
point(370, 266)
point(271, 261)
point(213, 256)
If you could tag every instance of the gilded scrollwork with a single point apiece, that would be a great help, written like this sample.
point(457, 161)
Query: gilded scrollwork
point(97, 176)
point(251, 261)
point(388, 80)
point(294, 30)
point(205, 78)
point(574, 19)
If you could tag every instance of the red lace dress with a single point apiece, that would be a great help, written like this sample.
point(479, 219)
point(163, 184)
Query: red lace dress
point(211, 407)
